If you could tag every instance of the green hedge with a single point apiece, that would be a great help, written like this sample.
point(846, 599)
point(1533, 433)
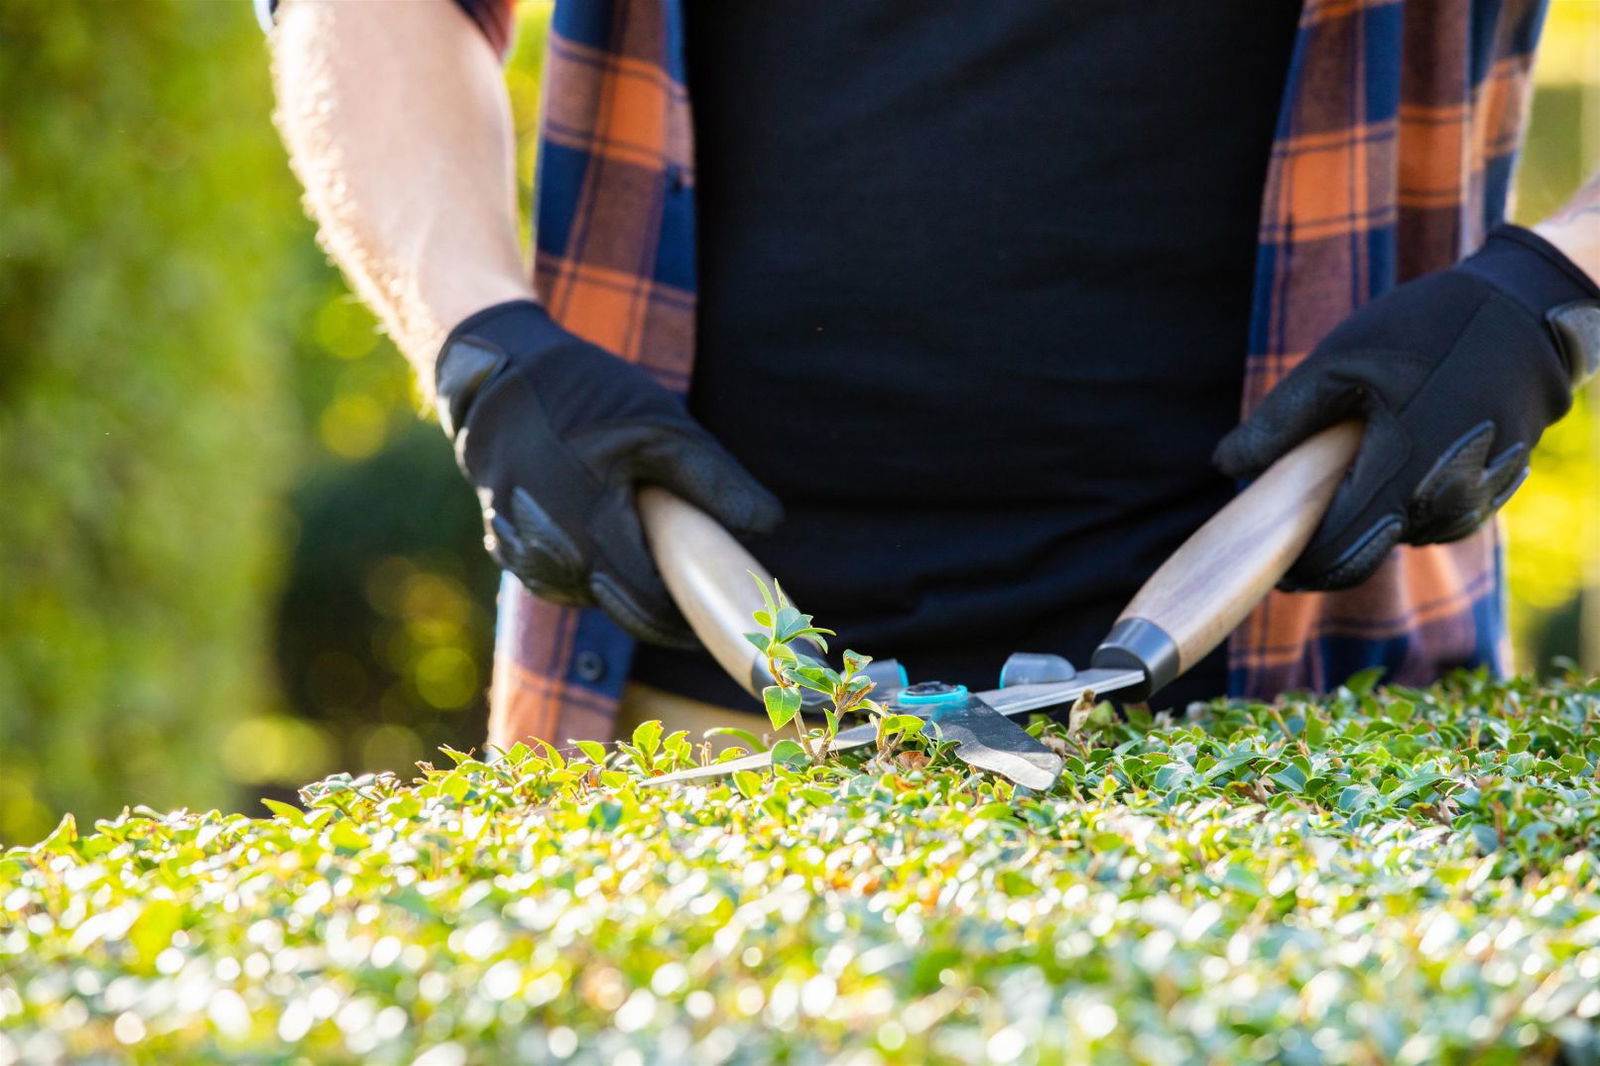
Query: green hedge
point(1401, 876)
point(147, 222)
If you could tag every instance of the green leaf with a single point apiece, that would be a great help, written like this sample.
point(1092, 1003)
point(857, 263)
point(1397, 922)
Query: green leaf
point(744, 736)
point(1244, 880)
point(766, 594)
point(782, 705)
point(62, 837)
point(1417, 784)
point(1229, 763)
point(811, 677)
point(1355, 798)
point(789, 753)
point(748, 782)
point(1107, 842)
point(1574, 763)
point(647, 738)
point(151, 932)
point(287, 811)
point(908, 725)
point(593, 750)
point(788, 622)
point(677, 744)
point(1400, 710)
point(607, 815)
point(346, 837)
point(1486, 838)
point(1290, 779)
point(1362, 681)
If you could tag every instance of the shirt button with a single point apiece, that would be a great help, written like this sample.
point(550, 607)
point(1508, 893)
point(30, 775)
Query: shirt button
point(589, 666)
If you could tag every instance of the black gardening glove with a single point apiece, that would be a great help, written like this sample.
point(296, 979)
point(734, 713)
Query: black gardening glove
point(557, 434)
point(1456, 374)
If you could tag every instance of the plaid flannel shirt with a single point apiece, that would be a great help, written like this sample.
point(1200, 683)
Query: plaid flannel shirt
point(1396, 139)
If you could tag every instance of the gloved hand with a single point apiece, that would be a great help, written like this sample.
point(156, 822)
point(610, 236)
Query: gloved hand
point(557, 434)
point(1456, 374)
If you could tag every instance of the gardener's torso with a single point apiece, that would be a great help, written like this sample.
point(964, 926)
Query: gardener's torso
point(974, 287)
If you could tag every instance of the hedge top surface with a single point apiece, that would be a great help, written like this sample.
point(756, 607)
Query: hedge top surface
point(1399, 876)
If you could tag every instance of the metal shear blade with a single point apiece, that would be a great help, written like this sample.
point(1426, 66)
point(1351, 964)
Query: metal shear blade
point(980, 727)
point(989, 740)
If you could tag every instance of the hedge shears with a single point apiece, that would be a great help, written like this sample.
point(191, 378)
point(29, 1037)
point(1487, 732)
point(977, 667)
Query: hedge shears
point(1186, 608)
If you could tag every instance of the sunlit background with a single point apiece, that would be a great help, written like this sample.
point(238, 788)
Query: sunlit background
point(232, 558)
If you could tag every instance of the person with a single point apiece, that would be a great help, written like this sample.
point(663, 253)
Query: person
point(967, 300)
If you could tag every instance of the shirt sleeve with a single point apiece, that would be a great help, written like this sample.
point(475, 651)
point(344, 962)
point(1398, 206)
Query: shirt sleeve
point(493, 17)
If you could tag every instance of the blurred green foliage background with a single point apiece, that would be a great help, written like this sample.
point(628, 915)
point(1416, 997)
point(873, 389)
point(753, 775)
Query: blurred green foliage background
point(231, 557)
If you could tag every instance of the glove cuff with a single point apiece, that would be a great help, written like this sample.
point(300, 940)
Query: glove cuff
point(479, 321)
point(477, 349)
point(1554, 289)
point(1529, 269)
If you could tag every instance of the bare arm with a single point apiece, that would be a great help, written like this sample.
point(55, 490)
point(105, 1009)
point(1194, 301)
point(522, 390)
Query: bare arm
point(397, 122)
point(1575, 229)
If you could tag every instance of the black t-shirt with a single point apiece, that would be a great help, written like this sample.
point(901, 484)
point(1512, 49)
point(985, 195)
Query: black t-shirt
point(974, 289)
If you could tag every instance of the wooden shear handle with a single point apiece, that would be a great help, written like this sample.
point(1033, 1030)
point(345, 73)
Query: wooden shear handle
point(1216, 577)
point(708, 574)
point(1186, 608)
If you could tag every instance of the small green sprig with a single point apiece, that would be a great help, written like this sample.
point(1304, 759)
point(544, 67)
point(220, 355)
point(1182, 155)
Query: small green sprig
point(794, 670)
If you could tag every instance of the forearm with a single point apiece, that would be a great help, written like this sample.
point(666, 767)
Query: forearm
point(1575, 229)
point(397, 123)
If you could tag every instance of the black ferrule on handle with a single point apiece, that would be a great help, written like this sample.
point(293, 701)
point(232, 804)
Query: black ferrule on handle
point(1139, 644)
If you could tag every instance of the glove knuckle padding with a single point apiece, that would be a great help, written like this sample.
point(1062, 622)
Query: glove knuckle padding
point(624, 579)
point(549, 555)
point(1476, 419)
point(657, 624)
point(1461, 491)
point(1339, 566)
point(1362, 522)
point(541, 533)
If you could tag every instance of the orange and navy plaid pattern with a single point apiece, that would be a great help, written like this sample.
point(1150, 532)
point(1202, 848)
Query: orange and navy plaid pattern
point(1395, 146)
point(1396, 139)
